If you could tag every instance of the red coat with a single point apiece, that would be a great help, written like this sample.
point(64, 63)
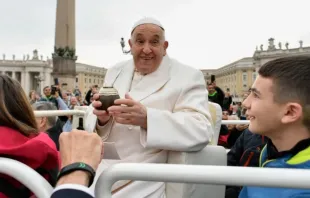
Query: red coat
point(38, 152)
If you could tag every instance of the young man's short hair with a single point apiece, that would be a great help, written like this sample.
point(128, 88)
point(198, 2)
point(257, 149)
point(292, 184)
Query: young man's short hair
point(291, 78)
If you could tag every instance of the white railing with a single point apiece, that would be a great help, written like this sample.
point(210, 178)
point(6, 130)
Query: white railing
point(235, 121)
point(27, 176)
point(81, 113)
point(58, 113)
point(220, 175)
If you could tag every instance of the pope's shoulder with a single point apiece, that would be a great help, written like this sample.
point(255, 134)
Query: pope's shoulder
point(184, 70)
point(119, 65)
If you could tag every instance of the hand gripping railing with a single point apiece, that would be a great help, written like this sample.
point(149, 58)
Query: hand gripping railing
point(27, 176)
point(220, 175)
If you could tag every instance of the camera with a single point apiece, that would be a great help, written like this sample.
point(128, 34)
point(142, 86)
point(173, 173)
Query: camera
point(53, 90)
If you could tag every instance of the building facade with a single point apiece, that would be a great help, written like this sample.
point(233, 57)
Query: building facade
point(238, 77)
point(34, 73)
point(207, 74)
point(88, 75)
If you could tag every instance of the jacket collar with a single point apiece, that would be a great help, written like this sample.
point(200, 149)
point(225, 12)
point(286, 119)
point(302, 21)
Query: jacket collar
point(150, 83)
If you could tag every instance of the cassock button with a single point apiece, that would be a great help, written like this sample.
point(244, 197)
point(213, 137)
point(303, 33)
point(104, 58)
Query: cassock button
point(130, 127)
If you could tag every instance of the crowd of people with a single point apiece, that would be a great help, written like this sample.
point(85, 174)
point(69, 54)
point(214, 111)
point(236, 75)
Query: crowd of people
point(58, 100)
point(163, 107)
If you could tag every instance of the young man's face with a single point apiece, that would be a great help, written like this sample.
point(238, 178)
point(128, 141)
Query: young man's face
point(265, 115)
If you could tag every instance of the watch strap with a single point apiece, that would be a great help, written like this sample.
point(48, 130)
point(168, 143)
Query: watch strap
point(75, 167)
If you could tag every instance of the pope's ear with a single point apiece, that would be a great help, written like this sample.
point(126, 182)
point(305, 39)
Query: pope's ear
point(166, 45)
point(130, 43)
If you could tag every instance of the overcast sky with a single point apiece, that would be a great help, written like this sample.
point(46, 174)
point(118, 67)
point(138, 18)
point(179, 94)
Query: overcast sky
point(202, 33)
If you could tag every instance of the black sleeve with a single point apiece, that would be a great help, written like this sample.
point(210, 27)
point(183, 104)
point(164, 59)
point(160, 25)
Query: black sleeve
point(233, 158)
point(230, 100)
point(224, 130)
point(65, 193)
point(233, 137)
point(236, 151)
point(221, 95)
point(87, 97)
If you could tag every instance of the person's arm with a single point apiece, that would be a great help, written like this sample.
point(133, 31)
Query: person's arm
point(61, 104)
point(87, 97)
point(224, 130)
point(188, 127)
point(233, 158)
point(73, 183)
point(234, 135)
point(78, 147)
point(221, 95)
point(236, 151)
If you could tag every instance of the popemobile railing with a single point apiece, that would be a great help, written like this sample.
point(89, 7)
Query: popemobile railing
point(82, 113)
point(220, 175)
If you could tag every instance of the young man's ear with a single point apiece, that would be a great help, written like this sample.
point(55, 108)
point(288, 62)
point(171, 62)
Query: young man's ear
point(292, 113)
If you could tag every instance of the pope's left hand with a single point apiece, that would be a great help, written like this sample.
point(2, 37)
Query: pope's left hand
point(129, 112)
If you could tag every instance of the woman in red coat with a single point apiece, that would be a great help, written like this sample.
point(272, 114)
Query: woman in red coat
point(20, 139)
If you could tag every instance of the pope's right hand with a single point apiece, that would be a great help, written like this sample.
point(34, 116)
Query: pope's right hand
point(103, 116)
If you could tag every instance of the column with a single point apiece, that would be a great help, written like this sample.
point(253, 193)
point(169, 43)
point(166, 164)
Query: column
point(47, 77)
point(27, 82)
point(22, 79)
point(42, 82)
point(13, 75)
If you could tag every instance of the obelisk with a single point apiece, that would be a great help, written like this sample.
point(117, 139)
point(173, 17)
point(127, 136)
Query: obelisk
point(64, 56)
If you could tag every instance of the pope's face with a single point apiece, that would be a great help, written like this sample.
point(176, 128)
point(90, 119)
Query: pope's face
point(148, 47)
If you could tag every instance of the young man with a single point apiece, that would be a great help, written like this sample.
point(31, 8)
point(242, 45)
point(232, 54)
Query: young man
point(278, 106)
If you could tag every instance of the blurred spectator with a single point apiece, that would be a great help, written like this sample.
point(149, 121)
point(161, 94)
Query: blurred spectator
point(48, 124)
point(93, 90)
point(214, 96)
point(32, 96)
point(48, 97)
point(78, 99)
point(236, 132)
point(224, 133)
point(227, 101)
point(21, 139)
point(73, 102)
point(66, 98)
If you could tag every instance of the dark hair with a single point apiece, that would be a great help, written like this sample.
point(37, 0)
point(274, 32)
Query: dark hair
point(16, 112)
point(291, 77)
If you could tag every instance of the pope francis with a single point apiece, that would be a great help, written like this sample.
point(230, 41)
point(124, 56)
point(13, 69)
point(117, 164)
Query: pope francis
point(163, 106)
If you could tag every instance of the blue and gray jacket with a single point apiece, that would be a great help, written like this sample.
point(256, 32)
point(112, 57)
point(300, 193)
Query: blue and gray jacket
point(287, 159)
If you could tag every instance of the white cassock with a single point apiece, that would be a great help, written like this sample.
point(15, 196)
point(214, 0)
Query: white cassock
point(178, 119)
